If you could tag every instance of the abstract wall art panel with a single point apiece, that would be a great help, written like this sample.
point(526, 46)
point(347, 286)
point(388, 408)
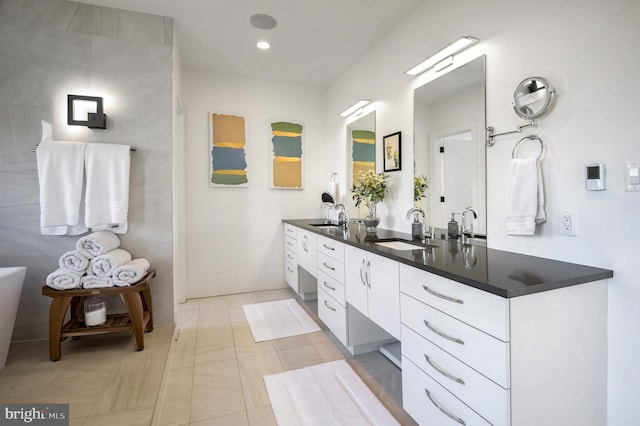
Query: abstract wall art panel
point(363, 151)
point(228, 148)
point(286, 148)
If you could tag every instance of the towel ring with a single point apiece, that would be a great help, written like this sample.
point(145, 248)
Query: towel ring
point(531, 137)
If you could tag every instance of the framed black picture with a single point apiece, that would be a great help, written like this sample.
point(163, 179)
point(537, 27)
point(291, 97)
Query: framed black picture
point(391, 159)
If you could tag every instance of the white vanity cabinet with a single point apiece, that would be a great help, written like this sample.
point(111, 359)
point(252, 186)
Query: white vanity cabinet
point(475, 358)
point(306, 251)
point(373, 288)
point(291, 256)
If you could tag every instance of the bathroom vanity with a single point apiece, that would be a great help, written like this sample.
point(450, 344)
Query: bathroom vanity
point(488, 337)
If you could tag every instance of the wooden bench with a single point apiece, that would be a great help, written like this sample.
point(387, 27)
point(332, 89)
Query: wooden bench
point(139, 318)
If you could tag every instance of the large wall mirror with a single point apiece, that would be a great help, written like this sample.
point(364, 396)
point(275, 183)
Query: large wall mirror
point(361, 155)
point(449, 145)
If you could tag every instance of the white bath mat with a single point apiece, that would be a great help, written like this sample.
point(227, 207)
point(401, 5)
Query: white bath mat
point(278, 319)
point(325, 394)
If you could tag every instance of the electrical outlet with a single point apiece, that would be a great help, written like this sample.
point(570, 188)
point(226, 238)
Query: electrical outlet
point(568, 223)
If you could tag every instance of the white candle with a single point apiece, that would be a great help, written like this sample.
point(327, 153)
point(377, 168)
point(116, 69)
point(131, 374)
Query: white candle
point(95, 317)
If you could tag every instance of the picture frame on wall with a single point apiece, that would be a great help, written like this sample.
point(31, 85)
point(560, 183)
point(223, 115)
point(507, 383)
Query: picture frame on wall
point(391, 158)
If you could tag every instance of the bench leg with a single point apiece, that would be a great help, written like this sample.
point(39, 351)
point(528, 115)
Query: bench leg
point(134, 306)
point(148, 306)
point(57, 311)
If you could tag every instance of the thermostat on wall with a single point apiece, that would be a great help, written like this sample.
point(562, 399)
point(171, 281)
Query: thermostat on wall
point(594, 177)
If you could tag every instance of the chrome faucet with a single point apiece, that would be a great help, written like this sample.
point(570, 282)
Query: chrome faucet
point(342, 215)
point(467, 226)
point(417, 227)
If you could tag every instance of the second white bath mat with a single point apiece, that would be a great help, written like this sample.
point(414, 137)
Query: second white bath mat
point(324, 394)
point(278, 319)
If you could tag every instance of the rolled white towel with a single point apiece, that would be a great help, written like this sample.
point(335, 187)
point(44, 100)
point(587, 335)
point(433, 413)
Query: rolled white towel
point(105, 264)
point(131, 272)
point(74, 261)
point(97, 243)
point(63, 279)
point(93, 281)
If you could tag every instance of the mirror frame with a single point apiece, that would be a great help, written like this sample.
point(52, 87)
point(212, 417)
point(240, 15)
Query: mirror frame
point(523, 90)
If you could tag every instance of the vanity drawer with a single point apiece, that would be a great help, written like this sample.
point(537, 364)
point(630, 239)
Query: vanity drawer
point(333, 314)
point(290, 256)
point(332, 287)
point(331, 267)
point(431, 404)
point(331, 248)
point(290, 231)
point(482, 352)
point(483, 310)
point(481, 394)
point(290, 244)
point(291, 275)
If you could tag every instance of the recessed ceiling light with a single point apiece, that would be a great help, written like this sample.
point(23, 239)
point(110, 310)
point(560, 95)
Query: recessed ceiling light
point(263, 21)
point(263, 45)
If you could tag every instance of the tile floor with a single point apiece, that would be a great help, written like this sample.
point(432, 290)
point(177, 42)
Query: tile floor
point(102, 378)
point(210, 374)
point(215, 371)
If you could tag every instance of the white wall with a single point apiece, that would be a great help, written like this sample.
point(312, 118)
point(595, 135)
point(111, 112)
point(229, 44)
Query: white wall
point(234, 235)
point(587, 49)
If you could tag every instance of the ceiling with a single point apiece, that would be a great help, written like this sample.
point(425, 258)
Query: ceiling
point(314, 42)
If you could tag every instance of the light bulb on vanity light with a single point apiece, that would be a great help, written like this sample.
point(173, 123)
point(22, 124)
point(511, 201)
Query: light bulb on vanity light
point(450, 50)
point(263, 45)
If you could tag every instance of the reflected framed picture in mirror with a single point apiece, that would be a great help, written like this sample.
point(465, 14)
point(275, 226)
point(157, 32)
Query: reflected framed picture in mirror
point(391, 145)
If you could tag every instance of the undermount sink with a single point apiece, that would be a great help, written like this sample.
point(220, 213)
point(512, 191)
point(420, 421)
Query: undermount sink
point(324, 225)
point(400, 244)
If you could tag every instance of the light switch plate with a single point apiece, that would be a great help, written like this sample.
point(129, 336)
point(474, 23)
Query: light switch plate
point(632, 176)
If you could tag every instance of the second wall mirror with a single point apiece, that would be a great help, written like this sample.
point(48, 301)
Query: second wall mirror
point(361, 155)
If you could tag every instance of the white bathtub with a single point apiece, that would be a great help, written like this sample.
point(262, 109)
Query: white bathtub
point(11, 280)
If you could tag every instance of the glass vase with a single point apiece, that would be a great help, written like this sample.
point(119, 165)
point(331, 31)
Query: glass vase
point(371, 220)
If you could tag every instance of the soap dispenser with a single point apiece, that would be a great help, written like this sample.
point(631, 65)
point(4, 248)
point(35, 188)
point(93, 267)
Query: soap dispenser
point(416, 228)
point(452, 227)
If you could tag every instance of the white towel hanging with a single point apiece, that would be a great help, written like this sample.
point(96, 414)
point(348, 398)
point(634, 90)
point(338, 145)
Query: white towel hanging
point(107, 195)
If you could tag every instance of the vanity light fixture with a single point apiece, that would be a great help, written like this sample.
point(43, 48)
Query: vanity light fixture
point(263, 45)
point(86, 111)
point(355, 107)
point(455, 47)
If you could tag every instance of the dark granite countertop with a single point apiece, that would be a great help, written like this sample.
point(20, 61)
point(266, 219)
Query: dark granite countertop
point(499, 272)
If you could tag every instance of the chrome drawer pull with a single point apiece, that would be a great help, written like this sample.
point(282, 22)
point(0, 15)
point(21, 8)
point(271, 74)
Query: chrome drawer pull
point(446, 412)
point(328, 286)
point(361, 273)
point(327, 305)
point(441, 334)
point(441, 371)
point(289, 269)
point(327, 266)
point(289, 244)
point(442, 296)
point(327, 247)
point(289, 256)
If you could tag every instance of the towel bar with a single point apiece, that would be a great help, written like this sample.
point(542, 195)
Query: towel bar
point(133, 148)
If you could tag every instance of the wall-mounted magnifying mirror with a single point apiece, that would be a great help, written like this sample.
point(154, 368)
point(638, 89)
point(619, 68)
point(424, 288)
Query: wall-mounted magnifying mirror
point(449, 144)
point(532, 98)
point(361, 155)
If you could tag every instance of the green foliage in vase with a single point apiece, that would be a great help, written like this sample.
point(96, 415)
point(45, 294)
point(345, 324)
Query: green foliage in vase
point(371, 187)
point(420, 186)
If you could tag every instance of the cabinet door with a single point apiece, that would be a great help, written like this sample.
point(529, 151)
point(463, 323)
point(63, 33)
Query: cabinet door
point(355, 279)
point(307, 251)
point(384, 293)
